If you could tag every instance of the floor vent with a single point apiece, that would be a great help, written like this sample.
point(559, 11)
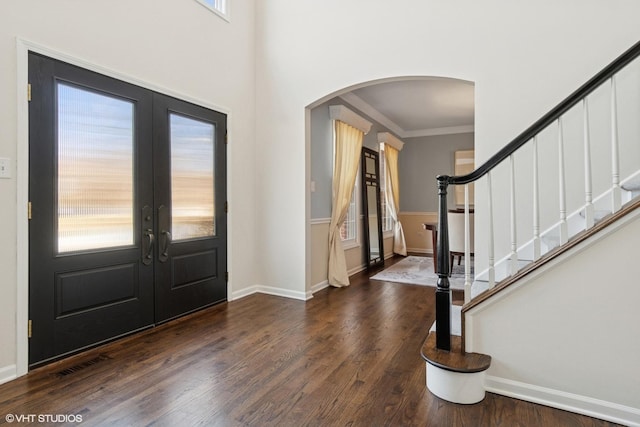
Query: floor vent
point(81, 366)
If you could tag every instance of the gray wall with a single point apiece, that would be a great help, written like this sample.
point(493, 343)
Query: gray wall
point(322, 154)
point(420, 161)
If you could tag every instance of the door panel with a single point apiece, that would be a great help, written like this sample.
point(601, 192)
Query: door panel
point(189, 144)
point(107, 257)
point(86, 282)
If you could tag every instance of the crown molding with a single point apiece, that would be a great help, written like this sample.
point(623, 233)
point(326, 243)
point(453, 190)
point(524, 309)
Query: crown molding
point(368, 109)
point(385, 121)
point(451, 130)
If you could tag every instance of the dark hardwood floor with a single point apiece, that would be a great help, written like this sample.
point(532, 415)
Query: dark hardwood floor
point(348, 356)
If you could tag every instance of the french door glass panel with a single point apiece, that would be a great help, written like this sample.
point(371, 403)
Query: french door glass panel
point(192, 178)
point(95, 170)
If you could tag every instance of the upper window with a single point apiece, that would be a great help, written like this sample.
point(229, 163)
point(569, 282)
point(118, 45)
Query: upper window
point(219, 7)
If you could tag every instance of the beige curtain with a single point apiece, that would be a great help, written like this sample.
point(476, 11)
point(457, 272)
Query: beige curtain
point(348, 144)
point(392, 195)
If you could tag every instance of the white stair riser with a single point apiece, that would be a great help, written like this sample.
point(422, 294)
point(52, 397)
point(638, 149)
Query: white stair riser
point(456, 387)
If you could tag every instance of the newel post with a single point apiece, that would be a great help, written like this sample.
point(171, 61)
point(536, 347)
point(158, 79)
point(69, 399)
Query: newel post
point(443, 293)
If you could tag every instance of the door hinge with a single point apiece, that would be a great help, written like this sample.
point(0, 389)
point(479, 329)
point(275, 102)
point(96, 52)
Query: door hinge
point(226, 276)
point(226, 207)
point(29, 210)
point(29, 92)
point(29, 330)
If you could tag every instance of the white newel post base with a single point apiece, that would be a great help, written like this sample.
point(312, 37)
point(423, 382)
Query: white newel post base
point(456, 387)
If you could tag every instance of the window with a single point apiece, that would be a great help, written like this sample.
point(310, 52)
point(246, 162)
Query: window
point(219, 7)
point(349, 228)
point(387, 220)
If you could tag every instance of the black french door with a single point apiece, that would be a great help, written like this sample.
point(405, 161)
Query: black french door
point(127, 190)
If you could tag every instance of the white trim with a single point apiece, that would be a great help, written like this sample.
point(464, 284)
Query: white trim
point(358, 269)
point(370, 111)
point(450, 130)
point(270, 290)
point(342, 113)
point(8, 373)
point(325, 283)
point(318, 221)
point(23, 47)
point(562, 400)
point(22, 229)
point(350, 244)
point(390, 140)
point(376, 115)
point(319, 286)
point(226, 15)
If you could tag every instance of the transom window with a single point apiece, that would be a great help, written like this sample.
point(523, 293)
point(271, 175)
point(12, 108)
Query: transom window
point(219, 7)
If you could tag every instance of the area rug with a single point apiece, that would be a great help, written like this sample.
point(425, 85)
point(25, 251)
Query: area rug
point(417, 270)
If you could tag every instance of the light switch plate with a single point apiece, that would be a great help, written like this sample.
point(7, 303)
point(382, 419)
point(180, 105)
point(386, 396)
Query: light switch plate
point(5, 172)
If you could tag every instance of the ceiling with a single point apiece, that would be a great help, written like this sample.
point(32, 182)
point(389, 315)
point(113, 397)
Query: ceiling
point(418, 107)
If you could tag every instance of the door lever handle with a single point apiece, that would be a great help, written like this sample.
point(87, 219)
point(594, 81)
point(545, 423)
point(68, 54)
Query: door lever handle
point(166, 240)
point(147, 246)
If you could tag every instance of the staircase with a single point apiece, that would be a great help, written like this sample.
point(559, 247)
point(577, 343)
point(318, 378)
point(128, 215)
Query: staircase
point(554, 320)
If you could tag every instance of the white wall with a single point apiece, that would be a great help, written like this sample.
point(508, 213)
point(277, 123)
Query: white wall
point(179, 46)
point(523, 58)
point(568, 337)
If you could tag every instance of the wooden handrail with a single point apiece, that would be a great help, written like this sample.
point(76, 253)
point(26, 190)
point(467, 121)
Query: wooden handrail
point(564, 106)
point(443, 292)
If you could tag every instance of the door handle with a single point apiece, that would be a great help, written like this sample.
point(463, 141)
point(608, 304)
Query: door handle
point(166, 240)
point(148, 239)
point(147, 246)
point(165, 236)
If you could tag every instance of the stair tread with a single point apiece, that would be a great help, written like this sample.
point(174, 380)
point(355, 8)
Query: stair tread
point(454, 360)
point(632, 184)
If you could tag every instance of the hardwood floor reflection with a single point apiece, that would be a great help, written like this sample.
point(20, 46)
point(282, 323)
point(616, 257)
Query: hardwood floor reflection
point(348, 356)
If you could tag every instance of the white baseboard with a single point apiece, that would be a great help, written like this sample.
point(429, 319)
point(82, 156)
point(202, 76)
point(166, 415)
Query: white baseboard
point(319, 286)
point(8, 373)
point(585, 405)
point(269, 290)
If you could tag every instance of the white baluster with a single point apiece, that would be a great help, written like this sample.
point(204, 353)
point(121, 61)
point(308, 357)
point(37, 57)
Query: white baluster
point(514, 240)
point(536, 202)
point(563, 198)
point(492, 269)
point(588, 191)
point(467, 246)
point(616, 192)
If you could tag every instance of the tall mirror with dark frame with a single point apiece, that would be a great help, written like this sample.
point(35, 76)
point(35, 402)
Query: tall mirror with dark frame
point(371, 207)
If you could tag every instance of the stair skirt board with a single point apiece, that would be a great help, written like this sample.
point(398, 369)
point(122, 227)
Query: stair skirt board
point(579, 404)
point(456, 387)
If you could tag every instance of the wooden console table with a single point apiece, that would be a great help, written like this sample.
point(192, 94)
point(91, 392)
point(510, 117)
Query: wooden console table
point(433, 227)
